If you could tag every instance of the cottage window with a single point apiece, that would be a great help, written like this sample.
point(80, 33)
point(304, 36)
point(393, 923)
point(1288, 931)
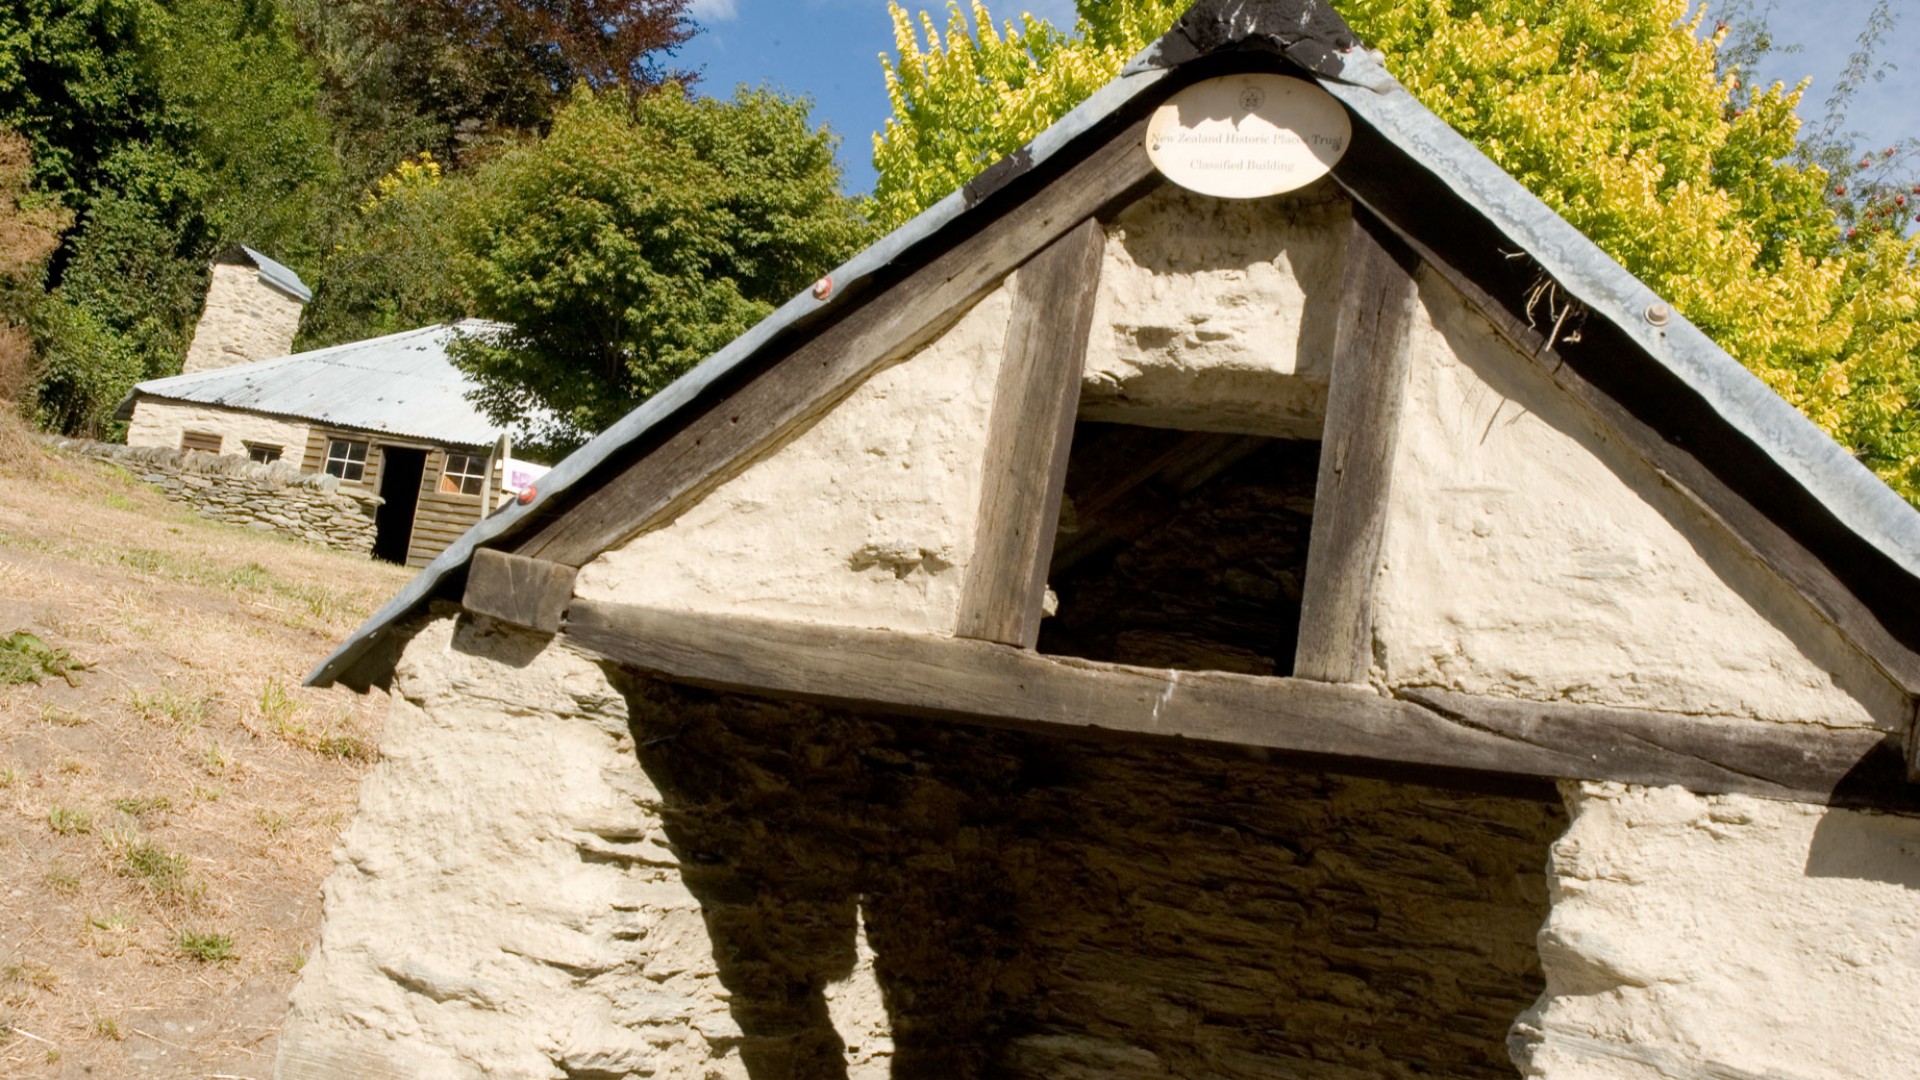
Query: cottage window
point(465, 474)
point(205, 442)
point(264, 453)
point(347, 459)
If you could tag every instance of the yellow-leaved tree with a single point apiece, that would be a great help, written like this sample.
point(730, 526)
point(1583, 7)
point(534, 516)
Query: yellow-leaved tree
point(1616, 113)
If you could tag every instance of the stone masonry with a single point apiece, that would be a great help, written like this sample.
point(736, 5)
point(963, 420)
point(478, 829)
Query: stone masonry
point(277, 497)
point(245, 320)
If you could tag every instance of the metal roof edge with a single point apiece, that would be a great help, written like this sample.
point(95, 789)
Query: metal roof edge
point(279, 275)
point(682, 391)
point(1857, 498)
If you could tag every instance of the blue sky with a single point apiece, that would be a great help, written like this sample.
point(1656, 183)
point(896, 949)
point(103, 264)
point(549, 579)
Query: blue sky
point(829, 50)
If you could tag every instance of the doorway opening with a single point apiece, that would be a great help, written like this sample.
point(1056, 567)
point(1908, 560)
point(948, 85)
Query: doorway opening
point(400, 472)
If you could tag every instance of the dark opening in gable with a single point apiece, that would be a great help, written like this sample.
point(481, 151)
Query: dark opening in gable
point(1181, 549)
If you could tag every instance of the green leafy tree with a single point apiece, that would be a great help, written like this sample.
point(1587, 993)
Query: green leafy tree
point(638, 237)
point(30, 228)
point(173, 128)
point(391, 267)
point(1619, 114)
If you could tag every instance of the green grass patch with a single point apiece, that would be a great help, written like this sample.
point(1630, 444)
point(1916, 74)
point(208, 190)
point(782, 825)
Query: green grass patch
point(143, 806)
point(69, 822)
point(163, 872)
point(183, 711)
point(24, 658)
point(205, 946)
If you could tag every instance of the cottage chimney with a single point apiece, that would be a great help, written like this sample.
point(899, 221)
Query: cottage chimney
point(253, 309)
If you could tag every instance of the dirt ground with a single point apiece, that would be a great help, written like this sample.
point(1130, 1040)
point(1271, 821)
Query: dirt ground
point(171, 802)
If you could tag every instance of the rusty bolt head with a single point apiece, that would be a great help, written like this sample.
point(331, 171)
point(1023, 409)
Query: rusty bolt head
point(527, 495)
point(823, 288)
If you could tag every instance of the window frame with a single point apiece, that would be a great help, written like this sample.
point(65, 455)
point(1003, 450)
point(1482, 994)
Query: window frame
point(197, 442)
point(346, 461)
point(255, 450)
point(470, 481)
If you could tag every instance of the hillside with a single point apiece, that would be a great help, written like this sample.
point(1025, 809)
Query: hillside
point(171, 796)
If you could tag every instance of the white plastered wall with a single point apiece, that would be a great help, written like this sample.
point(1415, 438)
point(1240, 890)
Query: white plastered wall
point(1727, 938)
point(1530, 555)
point(161, 423)
point(1218, 315)
point(506, 902)
point(866, 518)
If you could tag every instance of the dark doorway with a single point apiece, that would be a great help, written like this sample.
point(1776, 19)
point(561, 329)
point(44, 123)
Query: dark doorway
point(400, 471)
point(1182, 549)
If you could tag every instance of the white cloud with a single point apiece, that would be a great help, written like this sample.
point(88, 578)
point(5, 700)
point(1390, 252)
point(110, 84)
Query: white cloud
point(712, 11)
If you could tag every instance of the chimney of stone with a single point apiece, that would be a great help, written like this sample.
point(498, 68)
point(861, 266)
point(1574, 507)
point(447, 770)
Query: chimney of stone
point(253, 309)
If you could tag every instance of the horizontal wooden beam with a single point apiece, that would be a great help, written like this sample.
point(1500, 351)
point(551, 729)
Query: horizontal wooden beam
point(530, 593)
point(1000, 685)
point(807, 382)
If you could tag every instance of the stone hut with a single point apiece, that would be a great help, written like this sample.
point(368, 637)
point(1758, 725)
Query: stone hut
point(390, 418)
point(252, 312)
point(1178, 608)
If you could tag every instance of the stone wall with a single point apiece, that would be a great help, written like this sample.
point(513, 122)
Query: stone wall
point(277, 497)
point(558, 870)
point(1727, 938)
point(245, 319)
point(162, 423)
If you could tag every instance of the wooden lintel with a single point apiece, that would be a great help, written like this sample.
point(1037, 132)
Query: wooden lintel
point(1000, 685)
point(530, 593)
point(1368, 383)
point(807, 382)
point(1760, 536)
point(1029, 434)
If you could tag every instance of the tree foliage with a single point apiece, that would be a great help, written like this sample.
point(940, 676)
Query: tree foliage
point(30, 228)
point(637, 238)
point(1619, 114)
point(172, 128)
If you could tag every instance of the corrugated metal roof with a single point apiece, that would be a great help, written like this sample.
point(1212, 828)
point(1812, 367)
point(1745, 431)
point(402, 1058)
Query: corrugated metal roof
point(278, 275)
point(401, 384)
point(1852, 494)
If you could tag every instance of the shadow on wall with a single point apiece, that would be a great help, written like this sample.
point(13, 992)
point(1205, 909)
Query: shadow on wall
point(1061, 909)
point(1866, 847)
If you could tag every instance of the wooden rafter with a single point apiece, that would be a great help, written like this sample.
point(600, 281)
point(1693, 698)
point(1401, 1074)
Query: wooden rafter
point(1004, 686)
point(1758, 535)
point(807, 382)
point(1031, 430)
point(1368, 384)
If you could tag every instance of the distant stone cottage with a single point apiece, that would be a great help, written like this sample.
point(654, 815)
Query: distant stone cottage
point(390, 417)
point(1116, 630)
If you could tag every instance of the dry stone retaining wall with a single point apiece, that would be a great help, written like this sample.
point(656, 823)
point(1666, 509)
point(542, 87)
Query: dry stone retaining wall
point(276, 497)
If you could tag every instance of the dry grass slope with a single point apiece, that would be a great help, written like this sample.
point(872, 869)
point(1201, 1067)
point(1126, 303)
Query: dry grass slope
point(171, 794)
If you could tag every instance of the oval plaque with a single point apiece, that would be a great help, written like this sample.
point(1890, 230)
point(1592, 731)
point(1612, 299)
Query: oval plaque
point(1248, 136)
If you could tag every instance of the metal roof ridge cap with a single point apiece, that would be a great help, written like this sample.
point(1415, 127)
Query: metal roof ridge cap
point(1853, 493)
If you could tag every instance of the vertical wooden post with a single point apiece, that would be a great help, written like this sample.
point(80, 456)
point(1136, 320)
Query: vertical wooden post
point(1029, 434)
point(1369, 377)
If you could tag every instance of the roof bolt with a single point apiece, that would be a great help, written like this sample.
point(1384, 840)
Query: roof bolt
point(1659, 314)
point(527, 495)
point(823, 288)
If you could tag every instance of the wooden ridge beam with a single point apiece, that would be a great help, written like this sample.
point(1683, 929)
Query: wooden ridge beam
point(807, 382)
point(1003, 686)
point(1367, 388)
point(1029, 434)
